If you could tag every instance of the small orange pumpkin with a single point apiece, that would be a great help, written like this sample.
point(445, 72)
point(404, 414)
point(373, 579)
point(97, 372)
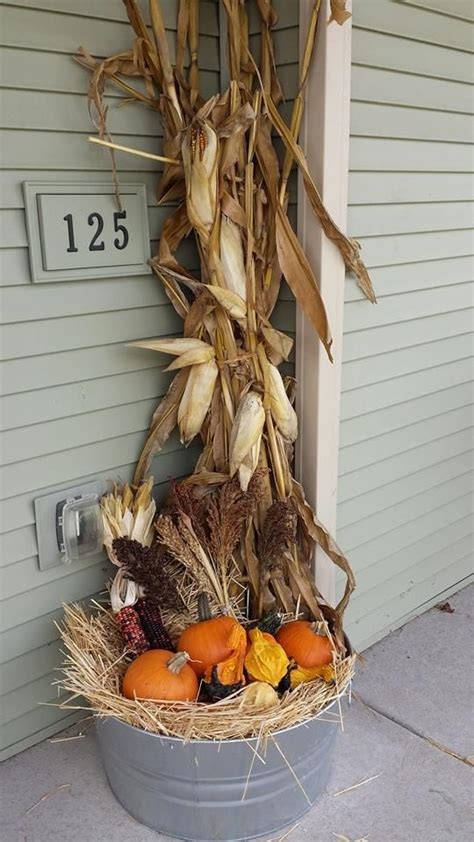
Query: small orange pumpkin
point(305, 643)
point(162, 676)
point(208, 642)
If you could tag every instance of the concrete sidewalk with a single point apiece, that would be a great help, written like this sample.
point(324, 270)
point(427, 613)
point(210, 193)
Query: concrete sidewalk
point(409, 729)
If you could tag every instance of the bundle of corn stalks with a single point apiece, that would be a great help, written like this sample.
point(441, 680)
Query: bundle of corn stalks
point(221, 167)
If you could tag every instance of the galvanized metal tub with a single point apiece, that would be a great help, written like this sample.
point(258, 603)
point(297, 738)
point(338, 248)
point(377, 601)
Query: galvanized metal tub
point(204, 790)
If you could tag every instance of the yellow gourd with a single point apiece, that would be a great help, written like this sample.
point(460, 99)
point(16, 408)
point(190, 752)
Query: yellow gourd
point(300, 675)
point(259, 695)
point(266, 660)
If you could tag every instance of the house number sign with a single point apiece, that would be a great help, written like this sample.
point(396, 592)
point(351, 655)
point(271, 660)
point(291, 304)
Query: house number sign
point(77, 231)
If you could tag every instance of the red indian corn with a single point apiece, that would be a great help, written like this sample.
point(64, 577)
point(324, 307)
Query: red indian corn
point(152, 624)
point(131, 629)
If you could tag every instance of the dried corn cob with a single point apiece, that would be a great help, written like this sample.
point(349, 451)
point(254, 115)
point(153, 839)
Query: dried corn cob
point(232, 256)
point(152, 624)
point(123, 596)
point(200, 155)
point(246, 429)
point(283, 413)
point(131, 630)
point(196, 399)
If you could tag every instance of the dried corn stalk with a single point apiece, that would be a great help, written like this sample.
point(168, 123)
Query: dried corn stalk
point(222, 166)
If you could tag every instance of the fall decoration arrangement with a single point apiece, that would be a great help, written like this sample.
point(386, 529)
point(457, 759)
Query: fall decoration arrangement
point(216, 628)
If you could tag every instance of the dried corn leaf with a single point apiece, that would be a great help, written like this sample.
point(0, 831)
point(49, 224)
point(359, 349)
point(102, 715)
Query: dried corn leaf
point(232, 303)
point(278, 344)
point(176, 347)
point(163, 423)
point(348, 248)
point(298, 273)
point(339, 13)
point(198, 355)
point(321, 536)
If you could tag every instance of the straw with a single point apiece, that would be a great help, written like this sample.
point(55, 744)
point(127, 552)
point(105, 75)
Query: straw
point(95, 664)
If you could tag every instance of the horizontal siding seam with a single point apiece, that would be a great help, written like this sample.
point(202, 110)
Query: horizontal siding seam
point(401, 376)
point(405, 476)
point(421, 540)
point(403, 138)
point(394, 430)
point(412, 38)
point(402, 526)
point(407, 347)
point(415, 233)
point(76, 13)
point(404, 500)
point(419, 584)
point(47, 421)
point(407, 450)
point(166, 304)
point(445, 14)
point(400, 104)
point(417, 73)
point(414, 319)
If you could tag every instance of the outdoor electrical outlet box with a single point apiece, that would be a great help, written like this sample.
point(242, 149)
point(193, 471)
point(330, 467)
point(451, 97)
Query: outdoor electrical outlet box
point(77, 231)
point(68, 524)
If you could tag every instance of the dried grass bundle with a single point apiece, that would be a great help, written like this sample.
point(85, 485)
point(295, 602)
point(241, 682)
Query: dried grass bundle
point(95, 664)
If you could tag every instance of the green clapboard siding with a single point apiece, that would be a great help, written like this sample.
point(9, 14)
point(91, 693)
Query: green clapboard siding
point(75, 403)
point(405, 460)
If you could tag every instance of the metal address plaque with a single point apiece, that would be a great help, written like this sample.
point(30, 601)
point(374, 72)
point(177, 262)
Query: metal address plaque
point(77, 231)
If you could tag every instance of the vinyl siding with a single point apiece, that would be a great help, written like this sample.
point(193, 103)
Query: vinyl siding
point(75, 402)
point(405, 461)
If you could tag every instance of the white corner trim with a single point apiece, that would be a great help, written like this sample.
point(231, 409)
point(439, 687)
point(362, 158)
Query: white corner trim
point(325, 140)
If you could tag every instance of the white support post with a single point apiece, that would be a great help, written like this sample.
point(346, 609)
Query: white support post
point(325, 140)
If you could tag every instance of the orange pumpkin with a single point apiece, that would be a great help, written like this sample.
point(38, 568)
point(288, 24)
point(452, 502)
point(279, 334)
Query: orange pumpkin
point(208, 642)
point(162, 676)
point(304, 642)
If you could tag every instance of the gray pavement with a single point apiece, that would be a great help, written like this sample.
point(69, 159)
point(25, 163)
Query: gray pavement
point(409, 729)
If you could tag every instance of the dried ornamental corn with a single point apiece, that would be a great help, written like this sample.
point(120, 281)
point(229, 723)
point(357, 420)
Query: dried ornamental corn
point(246, 429)
point(196, 399)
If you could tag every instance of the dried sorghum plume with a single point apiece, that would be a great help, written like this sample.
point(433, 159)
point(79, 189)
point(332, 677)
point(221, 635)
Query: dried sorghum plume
point(147, 567)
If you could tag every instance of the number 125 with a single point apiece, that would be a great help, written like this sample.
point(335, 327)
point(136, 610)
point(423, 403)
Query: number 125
point(97, 220)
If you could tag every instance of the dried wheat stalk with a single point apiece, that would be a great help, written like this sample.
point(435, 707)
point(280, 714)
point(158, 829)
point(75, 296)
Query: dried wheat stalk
point(221, 167)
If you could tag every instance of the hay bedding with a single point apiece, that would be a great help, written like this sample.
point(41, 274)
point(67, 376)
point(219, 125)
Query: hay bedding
point(95, 664)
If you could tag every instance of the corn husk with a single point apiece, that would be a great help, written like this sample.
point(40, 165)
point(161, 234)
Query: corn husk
point(231, 302)
point(175, 347)
point(282, 411)
point(128, 513)
point(246, 429)
point(196, 399)
point(123, 591)
point(232, 257)
point(200, 155)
